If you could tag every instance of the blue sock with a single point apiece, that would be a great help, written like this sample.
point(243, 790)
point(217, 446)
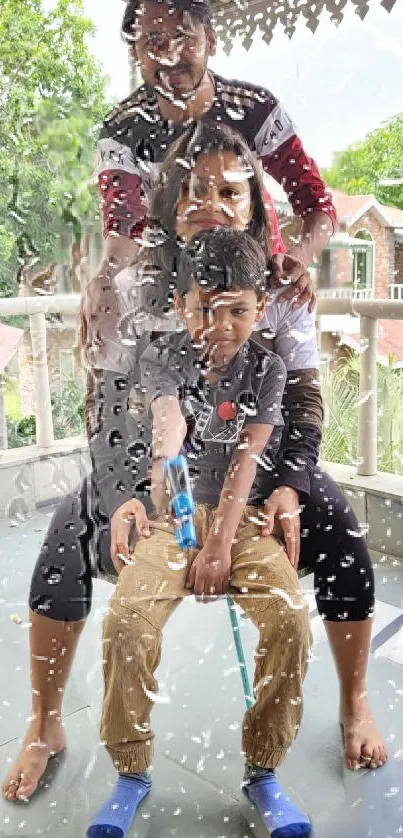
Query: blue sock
point(280, 817)
point(114, 818)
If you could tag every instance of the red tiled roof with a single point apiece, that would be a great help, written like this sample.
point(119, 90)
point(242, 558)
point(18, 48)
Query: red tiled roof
point(389, 342)
point(349, 207)
point(10, 338)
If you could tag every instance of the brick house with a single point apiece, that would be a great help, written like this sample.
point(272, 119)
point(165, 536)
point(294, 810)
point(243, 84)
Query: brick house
point(370, 267)
point(366, 254)
point(364, 258)
point(376, 270)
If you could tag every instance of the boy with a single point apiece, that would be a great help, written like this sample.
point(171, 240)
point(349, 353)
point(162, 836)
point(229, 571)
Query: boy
point(218, 391)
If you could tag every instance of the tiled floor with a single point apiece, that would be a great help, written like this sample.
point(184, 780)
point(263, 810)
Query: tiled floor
point(197, 722)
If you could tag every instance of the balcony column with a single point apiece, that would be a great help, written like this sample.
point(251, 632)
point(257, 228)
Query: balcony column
point(367, 404)
point(3, 418)
point(44, 421)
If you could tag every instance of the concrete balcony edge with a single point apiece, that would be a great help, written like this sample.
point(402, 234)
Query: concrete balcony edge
point(33, 477)
point(382, 483)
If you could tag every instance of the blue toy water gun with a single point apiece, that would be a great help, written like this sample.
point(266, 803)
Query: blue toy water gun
point(183, 508)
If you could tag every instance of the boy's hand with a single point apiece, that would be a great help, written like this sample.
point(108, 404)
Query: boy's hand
point(159, 493)
point(133, 511)
point(210, 572)
point(283, 507)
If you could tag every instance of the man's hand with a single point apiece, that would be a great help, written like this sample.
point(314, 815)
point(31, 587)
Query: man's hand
point(99, 307)
point(133, 511)
point(287, 269)
point(283, 506)
point(99, 318)
point(210, 573)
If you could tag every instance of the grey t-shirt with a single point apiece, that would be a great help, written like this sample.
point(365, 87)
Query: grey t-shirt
point(250, 392)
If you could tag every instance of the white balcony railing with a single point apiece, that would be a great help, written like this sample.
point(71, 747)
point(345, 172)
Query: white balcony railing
point(396, 291)
point(36, 308)
point(368, 312)
point(346, 293)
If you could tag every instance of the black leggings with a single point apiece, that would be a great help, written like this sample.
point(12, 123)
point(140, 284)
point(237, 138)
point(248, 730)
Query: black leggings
point(77, 549)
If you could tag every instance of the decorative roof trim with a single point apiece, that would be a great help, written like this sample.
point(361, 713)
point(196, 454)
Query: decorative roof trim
point(245, 18)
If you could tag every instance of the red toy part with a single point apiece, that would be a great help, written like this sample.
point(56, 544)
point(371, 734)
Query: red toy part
point(227, 411)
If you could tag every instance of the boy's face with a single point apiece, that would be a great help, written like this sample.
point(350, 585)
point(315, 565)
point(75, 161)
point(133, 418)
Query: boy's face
point(220, 322)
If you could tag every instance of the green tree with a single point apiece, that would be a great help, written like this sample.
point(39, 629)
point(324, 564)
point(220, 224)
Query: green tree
point(360, 169)
point(51, 100)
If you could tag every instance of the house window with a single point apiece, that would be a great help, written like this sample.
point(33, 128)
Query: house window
point(363, 265)
point(66, 367)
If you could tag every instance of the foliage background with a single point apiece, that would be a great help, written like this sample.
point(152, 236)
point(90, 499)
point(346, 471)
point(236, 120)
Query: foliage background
point(52, 100)
point(360, 169)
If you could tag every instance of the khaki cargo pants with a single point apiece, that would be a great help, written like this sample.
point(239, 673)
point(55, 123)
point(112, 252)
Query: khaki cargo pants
point(148, 592)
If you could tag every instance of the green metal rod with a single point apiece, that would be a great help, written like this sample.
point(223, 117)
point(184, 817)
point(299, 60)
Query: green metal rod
point(240, 652)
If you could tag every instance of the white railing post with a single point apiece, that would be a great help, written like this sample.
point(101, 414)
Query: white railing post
point(3, 418)
point(367, 405)
point(44, 421)
point(396, 291)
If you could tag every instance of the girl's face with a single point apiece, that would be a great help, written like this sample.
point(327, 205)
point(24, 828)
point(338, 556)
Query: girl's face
point(217, 194)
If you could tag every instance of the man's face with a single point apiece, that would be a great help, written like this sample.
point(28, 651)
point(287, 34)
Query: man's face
point(172, 49)
point(220, 322)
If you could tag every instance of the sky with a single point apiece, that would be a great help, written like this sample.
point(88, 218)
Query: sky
point(337, 84)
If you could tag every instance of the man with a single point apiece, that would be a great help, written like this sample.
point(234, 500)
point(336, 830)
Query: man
point(171, 43)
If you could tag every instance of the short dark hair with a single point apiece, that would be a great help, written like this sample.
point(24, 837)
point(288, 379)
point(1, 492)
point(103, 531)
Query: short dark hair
point(222, 260)
point(199, 10)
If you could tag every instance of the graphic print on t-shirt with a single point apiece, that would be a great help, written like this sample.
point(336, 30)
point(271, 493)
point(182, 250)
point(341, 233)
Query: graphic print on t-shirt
point(209, 427)
point(221, 423)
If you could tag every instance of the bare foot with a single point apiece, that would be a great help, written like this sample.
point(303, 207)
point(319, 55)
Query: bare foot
point(43, 740)
point(363, 743)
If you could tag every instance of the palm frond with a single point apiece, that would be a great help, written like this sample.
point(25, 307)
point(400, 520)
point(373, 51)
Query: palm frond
point(340, 390)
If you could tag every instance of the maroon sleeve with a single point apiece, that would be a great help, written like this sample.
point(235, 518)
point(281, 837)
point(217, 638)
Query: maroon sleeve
point(300, 178)
point(122, 208)
point(276, 240)
point(121, 184)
